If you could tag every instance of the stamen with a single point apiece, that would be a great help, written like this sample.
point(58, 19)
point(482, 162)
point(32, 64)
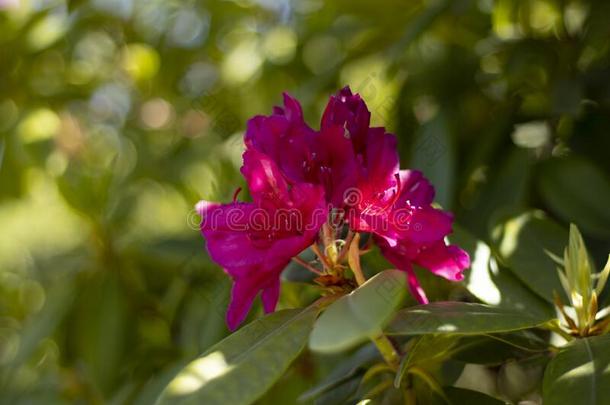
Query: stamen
point(346, 245)
point(308, 266)
point(323, 258)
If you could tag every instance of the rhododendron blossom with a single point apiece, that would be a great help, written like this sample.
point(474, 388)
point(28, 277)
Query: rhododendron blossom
point(301, 180)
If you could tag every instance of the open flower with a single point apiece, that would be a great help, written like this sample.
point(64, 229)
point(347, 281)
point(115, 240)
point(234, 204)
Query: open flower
point(408, 229)
point(298, 178)
point(394, 205)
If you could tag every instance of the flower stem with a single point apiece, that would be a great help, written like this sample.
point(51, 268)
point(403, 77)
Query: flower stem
point(387, 350)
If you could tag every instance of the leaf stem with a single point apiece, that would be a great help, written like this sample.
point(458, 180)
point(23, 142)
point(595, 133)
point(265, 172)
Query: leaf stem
point(387, 350)
point(431, 381)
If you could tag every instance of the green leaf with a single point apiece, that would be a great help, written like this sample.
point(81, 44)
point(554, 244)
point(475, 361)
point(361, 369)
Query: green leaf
point(579, 373)
point(154, 387)
point(492, 283)
point(341, 394)
point(433, 154)
point(577, 191)
point(344, 371)
point(522, 242)
point(461, 396)
point(493, 350)
point(101, 329)
point(359, 315)
point(427, 351)
point(240, 368)
point(460, 318)
point(505, 188)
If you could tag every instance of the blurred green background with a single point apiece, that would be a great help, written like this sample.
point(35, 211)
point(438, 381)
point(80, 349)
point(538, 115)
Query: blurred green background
point(117, 116)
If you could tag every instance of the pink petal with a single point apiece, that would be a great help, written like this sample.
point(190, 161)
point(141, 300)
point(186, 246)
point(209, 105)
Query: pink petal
point(270, 296)
point(381, 157)
point(225, 228)
point(264, 178)
point(423, 225)
point(401, 256)
point(416, 290)
point(442, 260)
point(416, 190)
point(335, 163)
point(349, 111)
point(242, 296)
point(255, 255)
point(284, 137)
point(292, 110)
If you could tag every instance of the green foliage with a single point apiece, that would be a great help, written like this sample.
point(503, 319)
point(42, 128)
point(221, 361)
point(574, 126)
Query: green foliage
point(522, 242)
point(579, 373)
point(567, 195)
point(494, 284)
point(460, 318)
point(116, 117)
point(243, 366)
point(359, 315)
point(461, 396)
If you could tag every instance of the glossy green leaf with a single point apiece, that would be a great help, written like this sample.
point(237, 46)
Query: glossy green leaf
point(346, 370)
point(579, 373)
point(341, 393)
point(149, 393)
point(460, 318)
point(461, 396)
point(240, 368)
point(493, 350)
point(577, 191)
point(429, 352)
point(494, 284)
point(522, 242)
point(359, 315)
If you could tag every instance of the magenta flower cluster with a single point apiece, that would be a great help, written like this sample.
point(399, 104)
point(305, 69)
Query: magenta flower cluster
point(298, 177)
